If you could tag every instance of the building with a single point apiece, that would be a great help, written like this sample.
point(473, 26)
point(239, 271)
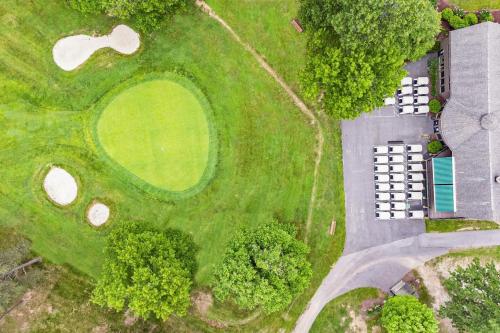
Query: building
point(469, 66)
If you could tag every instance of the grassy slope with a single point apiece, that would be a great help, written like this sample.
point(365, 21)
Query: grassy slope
point(266, 26)
point(266, 148)
point(476, 4)
point(455, 225)
point(335, 315)
point(158, 131)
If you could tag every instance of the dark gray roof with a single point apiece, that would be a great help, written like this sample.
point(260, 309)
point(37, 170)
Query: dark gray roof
point(470, 121)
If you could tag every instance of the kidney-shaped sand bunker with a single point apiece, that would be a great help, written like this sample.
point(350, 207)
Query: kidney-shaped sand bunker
point(159, 131)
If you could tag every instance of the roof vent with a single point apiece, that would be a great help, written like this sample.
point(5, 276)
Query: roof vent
point(497, 179)
point(489, 121)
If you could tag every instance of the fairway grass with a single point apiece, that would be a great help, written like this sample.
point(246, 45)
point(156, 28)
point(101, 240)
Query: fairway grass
point(160, 130)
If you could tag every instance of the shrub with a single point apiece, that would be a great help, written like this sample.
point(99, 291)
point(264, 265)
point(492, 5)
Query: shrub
point(485, 16)
point(471, 19)
point(434, 146)
point(405, 314)
point(435, 106)
point(459, 12)
point(447, 14)
point(432, 69)
point(457, 22)
point(474, 304)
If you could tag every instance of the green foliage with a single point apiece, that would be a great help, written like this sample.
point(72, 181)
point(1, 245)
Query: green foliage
point(356, 50)
point(456, 22)
point(147, 14)
point(434, 146)
point(147, 271)
point(457, 11)
point(435, 105)
point(471, 18)
point(474, 304)
point(447, 14)
point(432, 69)
point(263, 267)
point(485, 16)
point(405, 314)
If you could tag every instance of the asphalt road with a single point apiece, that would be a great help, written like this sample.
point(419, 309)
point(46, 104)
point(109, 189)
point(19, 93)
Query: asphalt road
point(382, 266)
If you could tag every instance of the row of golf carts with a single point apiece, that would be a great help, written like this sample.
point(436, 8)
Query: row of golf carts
point(412, 96)
point(399, 181)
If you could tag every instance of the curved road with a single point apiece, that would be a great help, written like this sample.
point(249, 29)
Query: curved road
point(382, 266)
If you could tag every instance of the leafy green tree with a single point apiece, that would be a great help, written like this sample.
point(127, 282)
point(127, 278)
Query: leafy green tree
point(147, 271)
point(434, 146)
point(405, 314)
point(147, 14)
point(357, 49)
point(475, 298)
point(263, 267)
point(435, 105)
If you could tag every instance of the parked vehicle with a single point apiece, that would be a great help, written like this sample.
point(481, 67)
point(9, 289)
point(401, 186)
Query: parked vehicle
point(405, 100)
point(397, 187)
point(398, 196)
point(383, 215)
point(420, 100)
point(381, 168)
point(397, 177)
point(398, 206)
point(381, 159)
point(415, 196)
point(396, 149)
point(384, 206)
point(406, 81)
point(415, 186)
point(405, 90)
point(406, 109)
point(380, 150)
point(415, 177)
point(397, 214)
point(414, 148)
point(381, 196)
point(416, 214)
point(397, 168)
point(421, 81)
point(389, 101)
point(382, 187)
point(396, 159)
point(421, 91)
point(415, 167)
point(415, 158)
point(421, 109)
point(383, 178)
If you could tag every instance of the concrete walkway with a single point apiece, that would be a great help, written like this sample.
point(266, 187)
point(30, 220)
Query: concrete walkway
point(382, 266)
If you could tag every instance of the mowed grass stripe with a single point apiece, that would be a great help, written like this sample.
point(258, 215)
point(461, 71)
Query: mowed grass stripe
point(157, 130)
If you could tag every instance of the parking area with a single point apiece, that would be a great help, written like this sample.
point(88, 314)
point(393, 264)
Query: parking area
point(359, 137)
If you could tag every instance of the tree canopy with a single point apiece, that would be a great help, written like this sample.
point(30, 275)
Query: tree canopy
point(405, 314)
point(149, 272)
point(474, 304)
point(263, 267)
point(147, 14)
point(357, 49)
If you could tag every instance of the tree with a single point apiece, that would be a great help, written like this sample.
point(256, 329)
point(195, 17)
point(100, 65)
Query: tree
point(147, 14)
point(435, 105)
point(434, 146)
point(263, 267)
point(405, 314)
point(147, 271)
point(474, 304)
point(356, 49)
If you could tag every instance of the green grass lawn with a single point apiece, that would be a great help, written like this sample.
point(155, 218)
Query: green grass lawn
point(335, 315)
point(457, 225)
point(159, 131)
point(476, 4)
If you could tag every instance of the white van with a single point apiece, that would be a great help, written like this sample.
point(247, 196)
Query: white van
point(415, 186)
point(397, 177)
point(415, 177)
point(380, 150)
point(383, 206)
point(396, 159)
point(398, 206)
point(405, 90)
point(406, 109)
point(415, 196)
point(414, 148)
point(381, 196)
point(421, 81)
point(415, 167)
point(382, 178)
point(416, 214)
point(421, 100)
point(405, 100)
point(383, 187)
point(421, 109)
point(397, 187)
point(382, 215)
point(421, 91)
point(382, 168)
point(415, 158)
point(398, 196)
point(396, 149)
point(397, 168)
point(381, 159)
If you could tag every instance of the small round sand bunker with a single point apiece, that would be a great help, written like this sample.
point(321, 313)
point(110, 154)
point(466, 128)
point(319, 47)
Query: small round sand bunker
point(60, 186)
point(98, 213)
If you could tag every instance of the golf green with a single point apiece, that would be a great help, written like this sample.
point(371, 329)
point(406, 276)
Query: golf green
point(159, 131)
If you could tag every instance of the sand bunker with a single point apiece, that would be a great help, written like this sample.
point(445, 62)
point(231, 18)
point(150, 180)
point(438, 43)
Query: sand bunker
point(98, 213)
point(60, 186)
point(70, 52)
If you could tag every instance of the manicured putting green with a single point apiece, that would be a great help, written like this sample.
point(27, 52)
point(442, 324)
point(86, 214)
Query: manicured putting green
point(158, 130)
